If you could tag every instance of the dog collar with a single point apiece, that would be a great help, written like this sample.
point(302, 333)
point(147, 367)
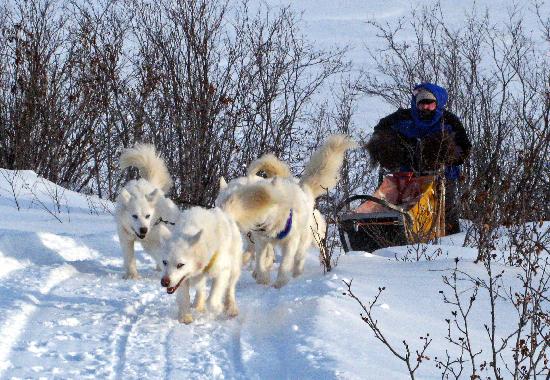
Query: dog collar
point(283, 234)
point(211, 263)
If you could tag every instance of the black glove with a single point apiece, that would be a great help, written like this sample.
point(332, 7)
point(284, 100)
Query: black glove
point(390, 150)
point(439, 149)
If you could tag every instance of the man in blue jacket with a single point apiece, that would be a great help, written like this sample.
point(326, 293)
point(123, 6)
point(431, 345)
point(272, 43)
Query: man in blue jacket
point(422, 138)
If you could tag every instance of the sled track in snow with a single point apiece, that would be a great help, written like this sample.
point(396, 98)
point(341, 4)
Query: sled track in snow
point(123, 331)
point(166, 350)
point(14, 325)
point(211, 349)
point(225, 352)
point(237, 352)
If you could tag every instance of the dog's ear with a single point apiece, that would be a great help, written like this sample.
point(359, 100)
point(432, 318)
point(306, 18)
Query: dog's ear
point(223, 183)
point(195, 238)
point(153, 195)
point(124, 196)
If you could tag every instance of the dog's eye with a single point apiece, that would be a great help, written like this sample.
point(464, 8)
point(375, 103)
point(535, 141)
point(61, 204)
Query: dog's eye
point(165, 262)
point(134, 216)
point(147, 216)
point(179, 265)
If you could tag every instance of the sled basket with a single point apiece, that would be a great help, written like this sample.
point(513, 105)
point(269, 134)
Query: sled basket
point(405, 209)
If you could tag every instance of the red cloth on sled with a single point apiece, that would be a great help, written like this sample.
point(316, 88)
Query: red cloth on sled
point(401, 189)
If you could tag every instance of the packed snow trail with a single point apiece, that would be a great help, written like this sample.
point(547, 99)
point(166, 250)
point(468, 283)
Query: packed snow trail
point(81, 320)
point(66, 312)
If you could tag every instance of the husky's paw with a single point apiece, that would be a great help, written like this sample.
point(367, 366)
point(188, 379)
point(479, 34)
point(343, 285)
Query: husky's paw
point(200, 306)
point(131, 276)
point(215, 308)
point(186, 318)
point(262, 278)
point(297, 272)
point(232, 311)
point(280, 283)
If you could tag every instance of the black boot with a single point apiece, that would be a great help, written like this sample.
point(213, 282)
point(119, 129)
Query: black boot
point(452, 209)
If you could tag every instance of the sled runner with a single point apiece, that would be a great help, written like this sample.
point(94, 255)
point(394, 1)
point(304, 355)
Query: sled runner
point(405, 209)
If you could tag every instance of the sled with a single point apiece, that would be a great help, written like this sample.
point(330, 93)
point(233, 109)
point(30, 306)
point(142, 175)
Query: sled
point(405, 209)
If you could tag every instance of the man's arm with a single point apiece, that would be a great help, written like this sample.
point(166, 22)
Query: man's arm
point(386, 146)
point(460, 138)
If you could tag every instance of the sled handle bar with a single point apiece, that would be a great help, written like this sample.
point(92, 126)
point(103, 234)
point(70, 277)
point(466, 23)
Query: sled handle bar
point(382, 202)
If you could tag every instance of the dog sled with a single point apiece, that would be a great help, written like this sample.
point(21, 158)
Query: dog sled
point(405, 209)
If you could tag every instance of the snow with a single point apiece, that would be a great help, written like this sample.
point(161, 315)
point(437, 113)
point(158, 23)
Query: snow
point(66, 312)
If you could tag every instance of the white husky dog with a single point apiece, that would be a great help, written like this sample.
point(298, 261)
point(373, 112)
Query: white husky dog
point(262, 169)
point(142, 212)
point(265, 169)
point(206, 243)
point(288, 221)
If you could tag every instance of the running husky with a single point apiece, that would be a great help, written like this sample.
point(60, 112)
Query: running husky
point(288, 222)
point(264, 169)
point(207, 243)
point(142, 212)
point(260, 170)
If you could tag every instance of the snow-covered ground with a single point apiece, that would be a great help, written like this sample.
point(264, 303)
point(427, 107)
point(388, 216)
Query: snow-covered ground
point(66, 312)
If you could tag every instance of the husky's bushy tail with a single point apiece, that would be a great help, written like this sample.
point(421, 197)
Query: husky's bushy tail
point(150, 165)
point(270, 165)
point(322, 171)
point(249, 204)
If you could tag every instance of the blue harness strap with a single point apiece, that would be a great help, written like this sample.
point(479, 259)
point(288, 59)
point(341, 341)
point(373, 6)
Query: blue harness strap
point(284, 233)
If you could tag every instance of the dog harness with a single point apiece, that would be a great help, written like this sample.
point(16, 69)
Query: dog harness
point(211, 263)
point(163, 221)
point(284, 233)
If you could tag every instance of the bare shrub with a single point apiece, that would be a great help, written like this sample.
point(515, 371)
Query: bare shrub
point(12, 178)
point(412, 360)
point(420, 252)
point(498, 83)
point(330, 117)
point(52, 93)
point(224, 86)
point(213, 85)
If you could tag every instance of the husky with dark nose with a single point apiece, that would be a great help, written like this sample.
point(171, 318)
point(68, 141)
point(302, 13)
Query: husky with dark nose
point(143, 214)
point(207, 244)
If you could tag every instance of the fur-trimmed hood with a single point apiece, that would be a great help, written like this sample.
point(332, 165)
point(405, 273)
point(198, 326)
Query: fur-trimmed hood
point(422, 127)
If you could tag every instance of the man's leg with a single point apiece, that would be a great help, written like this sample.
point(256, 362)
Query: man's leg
point(452, 208)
